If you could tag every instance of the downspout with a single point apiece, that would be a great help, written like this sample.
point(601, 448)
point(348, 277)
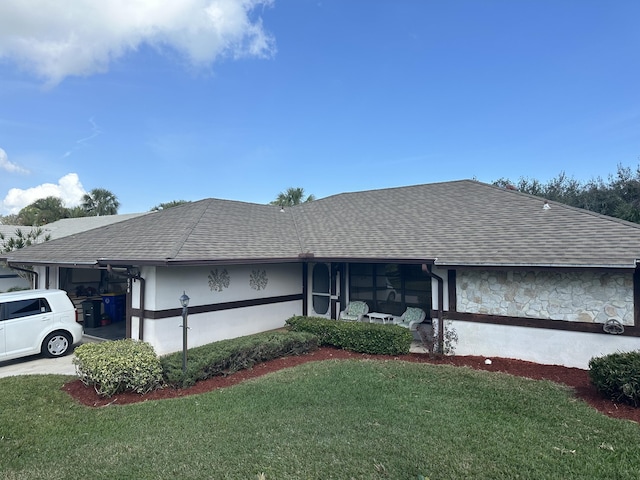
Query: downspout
point(427, 269)
point(134, 276)
point(32, 272)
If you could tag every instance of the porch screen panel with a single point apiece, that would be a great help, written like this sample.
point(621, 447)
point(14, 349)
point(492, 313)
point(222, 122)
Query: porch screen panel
point(417, 287)
point(361, 283)
point(320, 288)
point(390, 288)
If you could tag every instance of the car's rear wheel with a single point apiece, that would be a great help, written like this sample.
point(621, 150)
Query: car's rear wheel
point(56, 344)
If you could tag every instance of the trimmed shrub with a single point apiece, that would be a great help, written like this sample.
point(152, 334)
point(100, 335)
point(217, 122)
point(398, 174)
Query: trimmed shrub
point(371, 338)
point(229, 356)
point(117, 366)
point(617, 376)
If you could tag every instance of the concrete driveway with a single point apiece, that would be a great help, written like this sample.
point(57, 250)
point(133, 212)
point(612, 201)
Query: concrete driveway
point(38, 364)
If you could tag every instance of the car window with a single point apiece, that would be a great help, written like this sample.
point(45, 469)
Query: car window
point(25, 308)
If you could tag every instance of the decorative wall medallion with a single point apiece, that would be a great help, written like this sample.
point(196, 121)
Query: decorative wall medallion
point(218, 280)
point(258, 279)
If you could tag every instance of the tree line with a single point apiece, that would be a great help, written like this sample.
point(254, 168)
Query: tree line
point(97, 202)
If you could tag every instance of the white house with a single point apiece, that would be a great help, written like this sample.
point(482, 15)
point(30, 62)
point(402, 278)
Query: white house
point(515, 276)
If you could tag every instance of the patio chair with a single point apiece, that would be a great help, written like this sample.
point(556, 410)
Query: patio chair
point(411, 317)
point(354, 312)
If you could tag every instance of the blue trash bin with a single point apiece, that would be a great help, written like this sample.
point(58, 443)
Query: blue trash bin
point(114, 306)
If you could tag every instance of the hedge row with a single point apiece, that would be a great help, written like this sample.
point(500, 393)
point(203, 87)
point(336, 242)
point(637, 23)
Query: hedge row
point(229, 356)
point(372, 338)
point(127, 365)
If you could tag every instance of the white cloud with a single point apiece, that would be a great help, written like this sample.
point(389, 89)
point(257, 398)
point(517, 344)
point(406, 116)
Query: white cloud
point(68, 188)
point(58, 39)
point(10, 167)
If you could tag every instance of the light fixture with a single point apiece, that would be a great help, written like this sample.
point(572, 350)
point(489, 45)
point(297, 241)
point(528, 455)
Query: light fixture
point(184, 299)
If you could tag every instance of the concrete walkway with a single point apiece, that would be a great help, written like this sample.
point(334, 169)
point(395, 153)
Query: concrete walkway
point(417, 347)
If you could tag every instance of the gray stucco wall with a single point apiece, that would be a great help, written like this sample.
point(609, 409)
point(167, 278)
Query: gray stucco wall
point(589, 296)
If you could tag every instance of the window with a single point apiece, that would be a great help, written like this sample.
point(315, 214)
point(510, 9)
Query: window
point(25, 308)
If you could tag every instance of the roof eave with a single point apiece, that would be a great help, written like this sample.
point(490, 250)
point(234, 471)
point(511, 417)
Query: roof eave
point(51, 263)
point(169, 262)
point(607, 265)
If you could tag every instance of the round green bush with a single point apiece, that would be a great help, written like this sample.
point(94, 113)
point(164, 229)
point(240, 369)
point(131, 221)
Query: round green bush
point(617, 376)
point(117, 366)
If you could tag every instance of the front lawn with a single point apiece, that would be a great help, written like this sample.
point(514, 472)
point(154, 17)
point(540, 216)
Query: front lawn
point(359, 419)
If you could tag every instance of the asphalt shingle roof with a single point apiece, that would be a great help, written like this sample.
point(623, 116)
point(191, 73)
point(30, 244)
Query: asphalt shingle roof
point(453, 223)
point(69, 226)
point(465, 223)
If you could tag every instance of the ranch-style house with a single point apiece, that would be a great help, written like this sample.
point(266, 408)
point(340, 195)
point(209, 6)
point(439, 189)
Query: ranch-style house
point(514, 275)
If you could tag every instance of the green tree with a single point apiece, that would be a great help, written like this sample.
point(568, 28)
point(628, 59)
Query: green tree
point(626, 187)
point(42, 211)
point(100, 201)
point(292, 196)
point(164, 206)
point(11, 219)
point(77, 212)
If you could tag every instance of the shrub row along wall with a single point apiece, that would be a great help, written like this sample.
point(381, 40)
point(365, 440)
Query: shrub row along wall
point(572, 296)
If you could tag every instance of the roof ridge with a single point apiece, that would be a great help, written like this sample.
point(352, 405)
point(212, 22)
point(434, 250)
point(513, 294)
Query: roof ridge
point(298, 232)
point(399, 187)
point(173, 253)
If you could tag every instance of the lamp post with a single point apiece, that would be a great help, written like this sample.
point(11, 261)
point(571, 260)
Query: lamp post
point(184, 301)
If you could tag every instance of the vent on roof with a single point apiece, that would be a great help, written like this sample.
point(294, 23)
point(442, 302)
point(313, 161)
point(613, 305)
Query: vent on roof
point(546, 206)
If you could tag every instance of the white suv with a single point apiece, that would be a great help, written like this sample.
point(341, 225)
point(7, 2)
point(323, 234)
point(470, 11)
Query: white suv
point(37, 321)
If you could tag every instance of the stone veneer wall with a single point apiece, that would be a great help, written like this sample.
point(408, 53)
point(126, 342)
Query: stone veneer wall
point(588, 296)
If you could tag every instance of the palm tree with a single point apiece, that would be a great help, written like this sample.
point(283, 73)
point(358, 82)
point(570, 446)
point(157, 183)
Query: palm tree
point(164, 206)
point(42, 211)
point(100, 201)
point(292, 196)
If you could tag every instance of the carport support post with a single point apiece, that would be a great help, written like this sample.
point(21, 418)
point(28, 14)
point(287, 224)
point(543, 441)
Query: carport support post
point(428, 270)
point(184, 301)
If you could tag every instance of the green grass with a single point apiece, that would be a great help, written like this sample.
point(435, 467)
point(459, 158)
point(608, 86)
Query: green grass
point(333, 419)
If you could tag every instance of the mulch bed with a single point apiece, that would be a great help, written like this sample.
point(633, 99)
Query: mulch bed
point(576, 378)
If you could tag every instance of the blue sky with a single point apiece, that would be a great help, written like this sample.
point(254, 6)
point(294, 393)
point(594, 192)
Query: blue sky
point(243, 99)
